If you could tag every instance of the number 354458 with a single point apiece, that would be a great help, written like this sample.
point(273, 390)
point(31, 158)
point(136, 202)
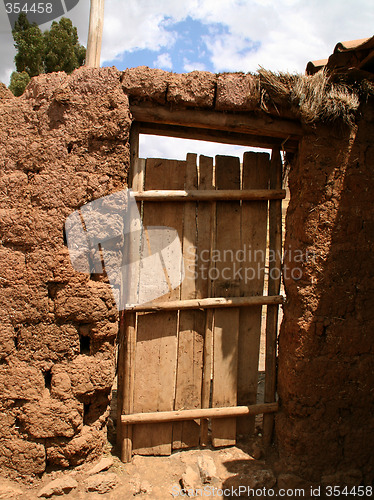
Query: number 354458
point(40, 8)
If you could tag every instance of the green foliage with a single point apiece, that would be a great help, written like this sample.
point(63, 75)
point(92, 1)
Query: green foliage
point(29, 42)
point(62, 49)
point(55, 50)
point(18, 82)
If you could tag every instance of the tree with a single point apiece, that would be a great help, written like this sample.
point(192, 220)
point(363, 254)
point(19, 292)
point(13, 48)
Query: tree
point(62, 49)
point(56, 50)
point(18, 82)
point(29, 42)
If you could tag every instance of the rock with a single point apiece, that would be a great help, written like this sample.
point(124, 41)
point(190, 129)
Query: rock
point(104, 464)
point(256, 452)
point(102, 483)
point(207, 468)
point(141, 487)
point(7, 492)
point(262, 479)
point(190, 481)
point(253, 479)
point(58, 487)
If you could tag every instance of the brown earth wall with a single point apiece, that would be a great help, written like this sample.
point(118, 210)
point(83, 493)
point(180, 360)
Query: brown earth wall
point(325, 428)
point(65, 143)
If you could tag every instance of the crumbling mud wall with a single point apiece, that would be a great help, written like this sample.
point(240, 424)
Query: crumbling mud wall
point(325, 429)
point(64, 143)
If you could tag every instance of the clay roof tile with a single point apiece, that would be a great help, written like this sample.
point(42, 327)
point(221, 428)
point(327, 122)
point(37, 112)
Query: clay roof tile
point(352, 55)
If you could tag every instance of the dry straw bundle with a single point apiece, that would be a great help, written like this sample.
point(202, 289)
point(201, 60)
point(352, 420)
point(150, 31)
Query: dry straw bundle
point(315, 98)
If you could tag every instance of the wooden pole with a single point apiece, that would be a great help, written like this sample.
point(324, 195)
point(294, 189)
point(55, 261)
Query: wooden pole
point(217, 302)
point(222, 412)
point(157, 195)
point(95, 34)
point(127, 351)
point(275, 246)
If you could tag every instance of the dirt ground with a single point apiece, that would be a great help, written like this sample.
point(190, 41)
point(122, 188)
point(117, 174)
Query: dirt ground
point(155, 477)
point(146, 477)
point(159, 478)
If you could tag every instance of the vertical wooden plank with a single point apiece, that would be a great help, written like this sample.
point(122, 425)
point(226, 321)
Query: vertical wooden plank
point(191, 327)
point(205, 243)
point(127, 340)
point(255, 175)
point(120, 430)
point(128, 383)
point(226, 322)
point(275, 262)
point(134, 180)
point(156, 352)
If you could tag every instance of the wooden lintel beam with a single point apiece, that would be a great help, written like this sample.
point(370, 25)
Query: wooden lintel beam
point(174, 416)
point(244, 123)
point(210, 195)
point(208, 303)
point(223, 137)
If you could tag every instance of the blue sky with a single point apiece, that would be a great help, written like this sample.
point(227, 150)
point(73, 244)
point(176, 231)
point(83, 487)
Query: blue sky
point(188, 49)
point(214, 35)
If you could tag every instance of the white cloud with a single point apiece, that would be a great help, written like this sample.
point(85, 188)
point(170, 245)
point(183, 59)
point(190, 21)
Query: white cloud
point(140, 24)
point(153, 146)
point(163, 61)
point(193, 66)
point(290, 32)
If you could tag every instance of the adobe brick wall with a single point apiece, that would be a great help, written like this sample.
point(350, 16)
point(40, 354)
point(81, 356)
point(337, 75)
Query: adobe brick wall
point(325, 428)
point(65, 143)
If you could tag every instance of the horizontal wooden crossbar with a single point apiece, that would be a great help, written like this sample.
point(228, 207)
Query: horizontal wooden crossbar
point(174, 416)
point(243, 123)
point(211, 195)
point(208, 303)
point(223, 137)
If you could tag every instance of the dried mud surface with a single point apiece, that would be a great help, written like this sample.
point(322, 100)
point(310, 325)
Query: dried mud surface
point(65, 143)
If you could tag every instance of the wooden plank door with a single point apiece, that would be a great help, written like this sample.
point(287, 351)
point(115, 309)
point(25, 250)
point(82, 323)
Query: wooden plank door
point(184, 359)
point(255, 175)
point(191, 326)
point(157, 333)
point(226, 322)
